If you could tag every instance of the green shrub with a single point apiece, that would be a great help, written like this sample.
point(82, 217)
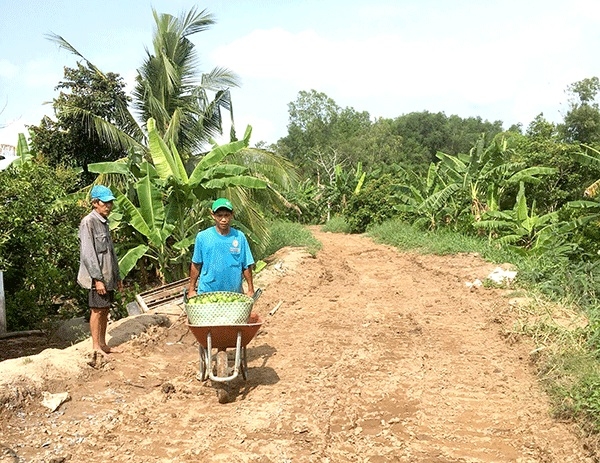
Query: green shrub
point(573, 382)
point(374, 204)
point(40, 248)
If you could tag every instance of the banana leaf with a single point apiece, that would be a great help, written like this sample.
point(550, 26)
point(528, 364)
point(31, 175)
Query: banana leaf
point(137, 221)
point(217, 154)
point(114, 167)
point(128, 261)
point(167, 161)
point(151, 206)
point(23, 153)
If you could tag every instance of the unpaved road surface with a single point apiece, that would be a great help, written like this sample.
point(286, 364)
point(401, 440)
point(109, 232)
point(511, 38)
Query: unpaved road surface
point(372, 356)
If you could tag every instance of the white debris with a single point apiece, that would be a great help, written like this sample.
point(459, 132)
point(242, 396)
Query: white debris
point(53, 401)
point(501, 276)
point(279, 267)
point(474, 285)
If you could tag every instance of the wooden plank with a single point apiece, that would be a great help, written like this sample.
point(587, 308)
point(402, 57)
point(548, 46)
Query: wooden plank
point(141, 302)
point(165, 294)
point(19, 334)
point(169, 287)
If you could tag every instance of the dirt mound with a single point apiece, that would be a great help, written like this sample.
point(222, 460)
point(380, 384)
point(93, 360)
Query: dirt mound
point(371, 356)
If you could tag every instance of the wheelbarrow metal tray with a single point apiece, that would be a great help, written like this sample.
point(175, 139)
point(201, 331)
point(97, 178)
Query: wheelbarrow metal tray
point(225, 336)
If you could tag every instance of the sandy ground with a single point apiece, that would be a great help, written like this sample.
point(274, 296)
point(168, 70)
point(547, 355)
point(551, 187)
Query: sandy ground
point(372, 356)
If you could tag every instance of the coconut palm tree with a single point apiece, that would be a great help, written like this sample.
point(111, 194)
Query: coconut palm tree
point(186, 108)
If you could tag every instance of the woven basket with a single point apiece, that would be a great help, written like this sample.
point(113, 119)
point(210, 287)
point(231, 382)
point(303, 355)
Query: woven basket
point(220, 313)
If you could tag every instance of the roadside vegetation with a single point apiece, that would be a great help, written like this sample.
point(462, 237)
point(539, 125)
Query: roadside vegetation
point(425, 181)
point(293, 234)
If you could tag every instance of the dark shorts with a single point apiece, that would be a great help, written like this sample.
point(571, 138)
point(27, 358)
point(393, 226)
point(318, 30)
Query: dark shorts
point(99, 301)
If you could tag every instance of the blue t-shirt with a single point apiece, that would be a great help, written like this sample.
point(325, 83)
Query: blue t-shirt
point(223, 259)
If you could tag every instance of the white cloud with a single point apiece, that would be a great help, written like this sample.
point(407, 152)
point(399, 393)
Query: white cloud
point(8, 69)
point(511, 67)
point(129, 77)
point(465, 58)
point(262, 129)
point(384, 66)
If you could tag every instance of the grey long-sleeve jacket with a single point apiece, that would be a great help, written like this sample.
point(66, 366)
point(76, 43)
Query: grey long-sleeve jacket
point(98, 259)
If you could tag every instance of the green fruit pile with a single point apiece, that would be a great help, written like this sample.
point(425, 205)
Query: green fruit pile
point(211, 298)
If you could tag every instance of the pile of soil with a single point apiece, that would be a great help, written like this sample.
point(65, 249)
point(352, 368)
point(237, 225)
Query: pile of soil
point(373, 355)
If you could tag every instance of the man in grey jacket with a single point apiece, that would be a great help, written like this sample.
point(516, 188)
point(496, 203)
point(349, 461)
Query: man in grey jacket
point(98, 265)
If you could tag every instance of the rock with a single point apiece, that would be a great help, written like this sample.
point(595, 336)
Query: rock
point(75, 330)
point(53, 401)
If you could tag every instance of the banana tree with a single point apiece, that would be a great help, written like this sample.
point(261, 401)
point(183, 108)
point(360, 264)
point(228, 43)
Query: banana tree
point(592, 160)
point(588, 208)
point(341, 185)
point(481, 177)
point(152, 228)
point(524, 230)
point(424, 198)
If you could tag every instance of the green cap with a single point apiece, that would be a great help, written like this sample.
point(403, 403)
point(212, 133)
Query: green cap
point(222, 202)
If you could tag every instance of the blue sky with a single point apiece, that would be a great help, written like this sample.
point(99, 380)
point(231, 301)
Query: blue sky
point(501, 60)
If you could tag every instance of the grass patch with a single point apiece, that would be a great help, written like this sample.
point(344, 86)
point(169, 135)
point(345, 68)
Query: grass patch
point(336, 224)
point(442, 242)
point(285, 233)
point(573, 382)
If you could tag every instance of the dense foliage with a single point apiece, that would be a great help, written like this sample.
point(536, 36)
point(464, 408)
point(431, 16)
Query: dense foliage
point(67, 141)
point(172, 169)
point(39, 248)
point(374, 204)
point(318, 128)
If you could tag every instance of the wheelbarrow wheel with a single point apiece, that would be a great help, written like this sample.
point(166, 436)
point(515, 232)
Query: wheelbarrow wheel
point(222, 367)
point(202, 366)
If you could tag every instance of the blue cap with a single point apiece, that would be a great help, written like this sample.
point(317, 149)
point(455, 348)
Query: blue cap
point(102, 193)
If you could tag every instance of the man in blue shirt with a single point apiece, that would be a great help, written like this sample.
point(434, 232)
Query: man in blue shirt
point(222, 258)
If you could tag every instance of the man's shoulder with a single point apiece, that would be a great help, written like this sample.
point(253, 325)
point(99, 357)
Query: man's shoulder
point(236, 233)
point(206, 231)
point(89, 217)
point(208, 235)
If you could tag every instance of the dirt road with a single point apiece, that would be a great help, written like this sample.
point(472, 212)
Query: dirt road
point(373, 356)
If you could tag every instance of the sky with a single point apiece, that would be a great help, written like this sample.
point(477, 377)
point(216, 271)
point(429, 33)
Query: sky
point(506, 60)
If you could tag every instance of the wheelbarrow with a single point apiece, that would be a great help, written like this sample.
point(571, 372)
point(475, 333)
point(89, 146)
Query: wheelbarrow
point(215, 366)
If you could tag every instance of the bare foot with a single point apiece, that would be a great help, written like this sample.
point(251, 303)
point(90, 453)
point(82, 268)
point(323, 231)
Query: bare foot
point(111, 350)
point(99, 350)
